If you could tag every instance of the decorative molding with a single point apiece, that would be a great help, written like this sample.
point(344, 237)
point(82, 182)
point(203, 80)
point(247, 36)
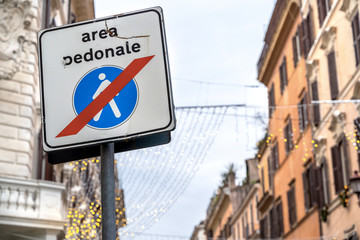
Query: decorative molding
point(338, 122)
point(320, 150)
point(328, 39)
point(312, 68)
point(305, 8)
point(349, 7)
point(15, 17)
point(356, 95)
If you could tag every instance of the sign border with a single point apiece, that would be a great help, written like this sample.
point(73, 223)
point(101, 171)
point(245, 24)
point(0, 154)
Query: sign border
point(158, 10)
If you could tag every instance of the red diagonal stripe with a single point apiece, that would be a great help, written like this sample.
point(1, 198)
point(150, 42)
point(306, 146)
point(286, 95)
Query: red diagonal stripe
point(105, 97)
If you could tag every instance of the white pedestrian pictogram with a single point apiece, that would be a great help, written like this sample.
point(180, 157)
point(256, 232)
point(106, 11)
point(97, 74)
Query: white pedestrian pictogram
point(112, 103)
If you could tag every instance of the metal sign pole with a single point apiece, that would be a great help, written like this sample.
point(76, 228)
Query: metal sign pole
point(108, 191)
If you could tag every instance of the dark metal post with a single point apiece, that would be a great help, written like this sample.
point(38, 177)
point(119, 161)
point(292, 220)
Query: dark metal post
point(108, 191)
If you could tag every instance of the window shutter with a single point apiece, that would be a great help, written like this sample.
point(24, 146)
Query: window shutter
point(270, 104)
point(300, 114)
point(288, 193)
point(332, 75)
point(272, 224)
point(281, 79)
point(337, 168)
point(291, 205)
point(262, 229)
point(270, 172)
point(321, 9)
point(285, 71)
point(294, 204)
point(301, 41)
point(304, 38)
point(295, 55)
point(271, 100)
point(316, 106)
point(277, 155)
point(290, 135)
point(325, 180)
point(274, 156)
point(305, 108)
point(356, 37)
point(311, 28)
point(319, 191)
point(306, 190)
point(346, 160)
point(280, 219)
point(312, 185)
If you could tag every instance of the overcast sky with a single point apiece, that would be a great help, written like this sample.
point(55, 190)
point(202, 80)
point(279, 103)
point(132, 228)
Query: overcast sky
point(213, 50)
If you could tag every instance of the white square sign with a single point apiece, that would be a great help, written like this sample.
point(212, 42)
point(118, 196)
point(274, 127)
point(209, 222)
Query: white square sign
point(105, 80)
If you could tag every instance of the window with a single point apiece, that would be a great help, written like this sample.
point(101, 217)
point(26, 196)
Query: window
point(280, 221)
point(357, 131)
point(246, 226)
point(308, 184)
point(270, 173)
point(262, 180)
point(273, 223)
point(321, 185)
point(303, 115)
point(292, 205)
point(340, 164)
point(325, 182)
point(324, 8)
point(243, 227)
point(271, 100)
point(283, 75)
point(288, 137)
point(275, 155)
point(257, 210)
point(296, 47)
point(334, 89)
point(276, 221)
point(356, 37)
point(316, 106)
point(209, 234)
point(251, 218)
point(238, 231)
point(264, 228)
point(307, 32)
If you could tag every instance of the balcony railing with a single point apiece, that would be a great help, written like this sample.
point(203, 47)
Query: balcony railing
point(30, 203)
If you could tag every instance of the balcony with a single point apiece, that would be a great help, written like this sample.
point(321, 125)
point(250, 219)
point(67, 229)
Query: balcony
point(31, 208)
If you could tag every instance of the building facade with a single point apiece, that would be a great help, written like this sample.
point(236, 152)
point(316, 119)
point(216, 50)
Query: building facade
point(333, 72)
point(217, 222)
point(288, 206)
point(245, 220)
point(199, 232)
point(34, 195)
point(232, 213)
point(30, 205)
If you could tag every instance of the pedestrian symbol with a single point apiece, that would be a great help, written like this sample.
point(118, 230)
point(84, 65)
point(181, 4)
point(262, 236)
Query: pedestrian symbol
point(118, 110)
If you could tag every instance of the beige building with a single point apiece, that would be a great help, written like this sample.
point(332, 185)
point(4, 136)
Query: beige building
point(333, 74)
point(199, 232)
point(32, 204)
point(232, 213)
point(245, 220)
point(217, 222)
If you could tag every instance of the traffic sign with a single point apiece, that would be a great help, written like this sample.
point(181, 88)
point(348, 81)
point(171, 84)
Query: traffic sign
point(118, 110)
point(105, 80)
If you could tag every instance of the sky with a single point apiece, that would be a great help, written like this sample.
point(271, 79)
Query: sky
point(213, 51)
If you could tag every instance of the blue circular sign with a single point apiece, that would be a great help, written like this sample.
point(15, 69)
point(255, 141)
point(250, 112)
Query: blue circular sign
point(118, 110)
